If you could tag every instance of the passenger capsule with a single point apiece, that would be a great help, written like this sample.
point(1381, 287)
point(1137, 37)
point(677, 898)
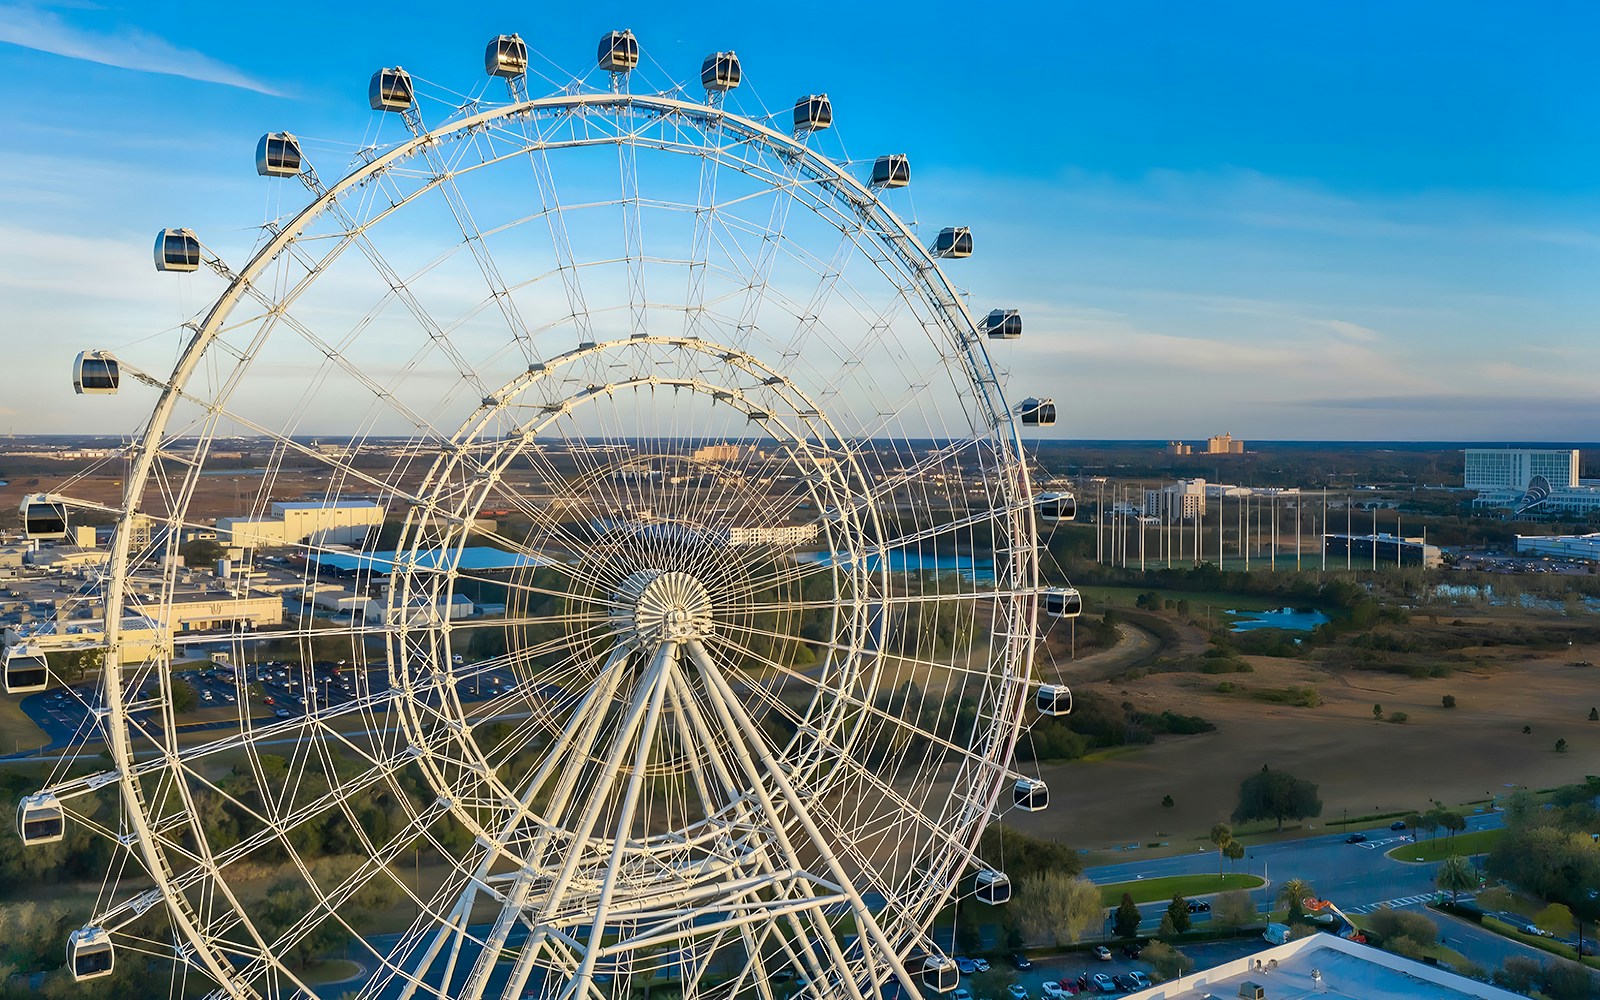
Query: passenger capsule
point(993, 888)
point(1003, 324)
point(391, 90)
point(1030, 795)
point(1063, 602)
point(506, 56)
point(1038, 412)
point(953, 241)
point(892, 171)
point(813, 113)
point(89, 954)
point(278, 155)
point(41, 820)
point(1057, 507)
point(177, 250)
point(96, 373)
point(25, 669)
point(1054, 699)
point(720, 72)
point(940, 974)
point(44, 516)
point(619, 52)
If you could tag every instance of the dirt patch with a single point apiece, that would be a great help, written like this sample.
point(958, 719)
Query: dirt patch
point(1458, 755)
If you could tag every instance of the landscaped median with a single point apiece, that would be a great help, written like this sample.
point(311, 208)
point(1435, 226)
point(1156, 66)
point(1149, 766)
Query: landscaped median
point(1150, 890)
point(1439, 848)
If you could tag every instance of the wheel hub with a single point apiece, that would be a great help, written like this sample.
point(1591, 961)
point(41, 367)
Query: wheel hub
point(654, 606)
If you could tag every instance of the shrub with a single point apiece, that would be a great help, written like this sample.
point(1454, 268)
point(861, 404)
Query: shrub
point(1169, 962)
point(1398, 716)
point(1448, 701)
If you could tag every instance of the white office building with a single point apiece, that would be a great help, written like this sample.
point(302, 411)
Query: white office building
point(1529, 481)
point(331, 522)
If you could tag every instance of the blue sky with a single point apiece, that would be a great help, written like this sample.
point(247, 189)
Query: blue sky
point(1355, 220)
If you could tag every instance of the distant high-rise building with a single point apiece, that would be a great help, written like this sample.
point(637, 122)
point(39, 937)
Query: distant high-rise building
point(1224, 444)
point(1179, 448)
point(1514, 468)
point(717, 453)
point(1184, 500)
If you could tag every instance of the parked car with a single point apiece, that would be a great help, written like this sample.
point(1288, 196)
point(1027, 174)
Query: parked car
point(1199, 906)
point(961, 995)
point(283, 713)
point(1016, 992)
point(1140, 980)
point(1356, 838)
point(1536, 930)
point(1020, 961)
point(1397, 825)
point(1102, 953)
point(965, 966)
point(1055, 991)
point(1102, 983)
point(1130, 950)
point(981, 964)
point(1124, 982)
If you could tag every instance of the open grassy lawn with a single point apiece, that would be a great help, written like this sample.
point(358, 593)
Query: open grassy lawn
point(1439, 848)
point(1149, 890)
point(17, 731)
point(1218, 601)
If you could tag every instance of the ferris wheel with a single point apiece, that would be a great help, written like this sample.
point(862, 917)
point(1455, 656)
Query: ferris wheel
point(627, 571)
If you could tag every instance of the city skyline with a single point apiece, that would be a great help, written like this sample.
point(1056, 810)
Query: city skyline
point(1290, 225)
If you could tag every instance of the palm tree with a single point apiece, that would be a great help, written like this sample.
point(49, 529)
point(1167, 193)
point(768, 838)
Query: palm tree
point(1456, 875)
point(1291, 892)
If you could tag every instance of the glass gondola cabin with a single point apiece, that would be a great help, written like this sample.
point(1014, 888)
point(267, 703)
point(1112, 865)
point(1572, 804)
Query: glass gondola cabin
point(1030, 795)
point(892, 171)
point(953, 241)
point(96, 373)
point(940, 974)
point(44, 517)
point(1057, 507)
point(278, 155)
point(1038, 412)
point(41, 820)
point(25, 669)
point(177, 250)
point(813, 113)
point(993, 888)
point(89, 954)
point(390, 90)
point(619, 52)
point(720, 72)
point(1063, 602)
point(506, 56)
point(1003, 324)
point(1054, 699)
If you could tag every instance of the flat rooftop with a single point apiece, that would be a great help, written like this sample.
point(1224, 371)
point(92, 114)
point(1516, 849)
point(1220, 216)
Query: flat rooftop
point(1326, 966)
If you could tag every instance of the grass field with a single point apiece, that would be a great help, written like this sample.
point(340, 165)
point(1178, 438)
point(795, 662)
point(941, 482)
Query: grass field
point(17, 731)
point(1439, 848)
point(1149, 890)
point(1218, 602)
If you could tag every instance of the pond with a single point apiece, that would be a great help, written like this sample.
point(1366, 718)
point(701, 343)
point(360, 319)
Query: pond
point(978, 570)
point(1284, 618)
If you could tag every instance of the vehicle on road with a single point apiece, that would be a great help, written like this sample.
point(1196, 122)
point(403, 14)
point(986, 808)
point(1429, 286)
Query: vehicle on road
point(1021, 961)
point(1356, 838)
point(1397, 825)
point(1536, 931)
point(1199, 906)
point(1102, 953)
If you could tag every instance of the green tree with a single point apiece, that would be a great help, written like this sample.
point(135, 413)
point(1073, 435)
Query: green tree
point(1233, 909)
point(1127, 917)
point(1561, 746)
point(1221, 836)
point(1377, 712)
point(1233, 852)
point(1594, 714)
point(1555, 918)
point(1178, 910)
point(184, 697)
point(1456, 875)
point(1169, 962)
point(1291, 892)
point(1056, 907)
point(1448, 701)
point(1276, 795)
point(1453, 823)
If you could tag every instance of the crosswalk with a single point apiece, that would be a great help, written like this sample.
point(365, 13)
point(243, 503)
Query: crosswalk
point(1393, 904)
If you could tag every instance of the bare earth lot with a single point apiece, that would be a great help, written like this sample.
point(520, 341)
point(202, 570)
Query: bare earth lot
point(1455, 755)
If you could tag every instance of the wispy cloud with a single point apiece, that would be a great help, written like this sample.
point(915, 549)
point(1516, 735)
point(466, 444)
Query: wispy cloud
point(126, 48)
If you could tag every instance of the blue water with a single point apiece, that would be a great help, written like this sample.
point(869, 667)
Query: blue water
point(477, 557)
point(1284, 618)
point(900, 561)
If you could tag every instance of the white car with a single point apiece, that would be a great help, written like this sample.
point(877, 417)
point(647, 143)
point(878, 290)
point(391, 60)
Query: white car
point(981, 964)
point(1055, 991)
